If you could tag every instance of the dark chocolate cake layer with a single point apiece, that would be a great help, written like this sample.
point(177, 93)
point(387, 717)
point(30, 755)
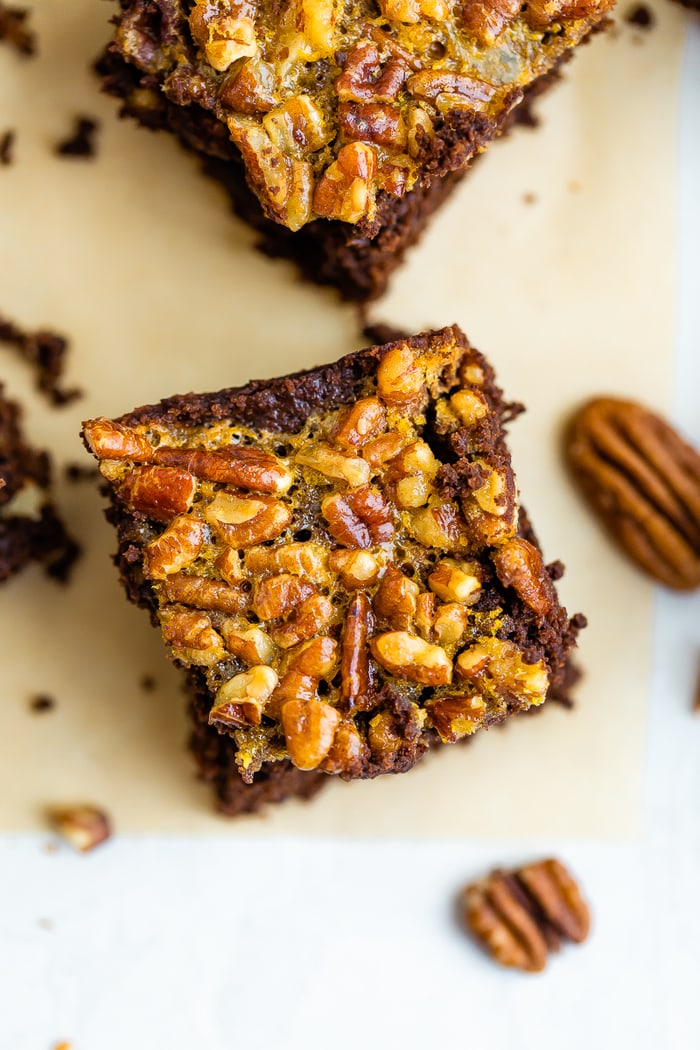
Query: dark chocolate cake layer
point(338, 560)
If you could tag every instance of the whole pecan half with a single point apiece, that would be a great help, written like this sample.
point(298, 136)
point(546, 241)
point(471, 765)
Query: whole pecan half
point(521, 915)
point(643, 481)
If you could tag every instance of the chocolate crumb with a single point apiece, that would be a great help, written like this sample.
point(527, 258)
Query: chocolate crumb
point(7, 145)
point(82, 142)
point(42, 703)
point(14, 29)
point(640, 16)
point(529, 198)
point(46, 352)
point(75, 472)
point(148, 683)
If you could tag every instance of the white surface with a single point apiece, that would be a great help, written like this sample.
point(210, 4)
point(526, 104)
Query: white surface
point(214, 944)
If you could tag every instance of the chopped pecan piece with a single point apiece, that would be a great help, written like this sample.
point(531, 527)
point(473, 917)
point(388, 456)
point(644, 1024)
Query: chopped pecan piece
point(400, 380)
point(304, 622)
point(241, 701)
point(380, 123)
point(276, 596)
point(176, 548)
point(357, 425)
point(161, 493)
point(108, 440)
point(487, 19)
point(412, 11)
point(455, 716)
point(251, 88)
point(643, 481)
point(367, 77)
point(356, 689)
point(247, 468)
point(412, 658)
point(396, 599)
point(520, 916)
point(84, 826)
point(336, 465)
point(224, 30)
point(519, 565)
point(202, 593)
point(360, 518)
point(191, 635)
point(247, 521)
point(356, 568)
point(309, 729)
point(346, 189)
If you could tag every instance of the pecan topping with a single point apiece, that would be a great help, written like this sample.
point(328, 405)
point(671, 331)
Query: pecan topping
point(247, 468)
point(245, 522)
point(203, 593)
point(367, 77)
point(158, 492)
point(643, 481)
point(174, 549)
point(241, 701)
point(520, 916)
point(108, 440)
point(410, 657)
point(309, 729)
point(356, 691)
point(519, 565)
point(358, 519)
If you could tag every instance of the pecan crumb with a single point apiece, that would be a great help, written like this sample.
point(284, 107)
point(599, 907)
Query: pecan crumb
point(14, 29)
point(82, 142)
point(46, 352)
point(83, 826)
point(7, 145)
point(41, 703)
point(519, 916)
point(640, 16)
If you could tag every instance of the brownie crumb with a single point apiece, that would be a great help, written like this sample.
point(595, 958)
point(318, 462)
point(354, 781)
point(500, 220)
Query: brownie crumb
point(14, 29)
point(640, 16)
point(82, 142)
point(148, 683)
point(529, 198)
point(76, 472)
point(42, 703)
point(7, 146)
point(46, 352)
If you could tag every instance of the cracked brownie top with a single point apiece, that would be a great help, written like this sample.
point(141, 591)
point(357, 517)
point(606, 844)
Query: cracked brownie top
point(336, 555)
point(334, 101)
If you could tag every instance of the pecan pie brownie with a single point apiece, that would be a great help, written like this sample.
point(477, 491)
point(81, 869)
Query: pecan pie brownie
point(30, 528)
point(338, 561)
point(338, 126)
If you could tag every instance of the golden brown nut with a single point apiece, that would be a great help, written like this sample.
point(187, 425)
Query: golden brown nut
point(408, 656)
point(519, 916)
point(643, 481)
point(83, 826)
point(309, 729)
point(160, 493)
point(176, 548)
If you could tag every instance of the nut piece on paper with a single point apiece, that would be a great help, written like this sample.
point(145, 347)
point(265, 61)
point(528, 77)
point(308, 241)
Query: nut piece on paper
point(520, 916)
point(643, 481)
point(82, 826)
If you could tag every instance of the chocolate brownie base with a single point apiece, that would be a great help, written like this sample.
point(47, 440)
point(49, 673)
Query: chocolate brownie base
point(327, 252)
point(28, 537)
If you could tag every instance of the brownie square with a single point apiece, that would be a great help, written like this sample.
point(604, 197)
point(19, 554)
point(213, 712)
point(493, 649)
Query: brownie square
point(338, 129)
point(338, 562)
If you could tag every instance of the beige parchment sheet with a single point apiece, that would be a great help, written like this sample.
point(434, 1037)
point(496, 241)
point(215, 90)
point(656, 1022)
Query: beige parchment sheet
point(557, 256)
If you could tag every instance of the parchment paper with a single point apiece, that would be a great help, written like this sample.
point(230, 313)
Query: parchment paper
point(557, 256)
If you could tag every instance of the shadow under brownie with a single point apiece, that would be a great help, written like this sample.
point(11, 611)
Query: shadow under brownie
point(338, 561)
